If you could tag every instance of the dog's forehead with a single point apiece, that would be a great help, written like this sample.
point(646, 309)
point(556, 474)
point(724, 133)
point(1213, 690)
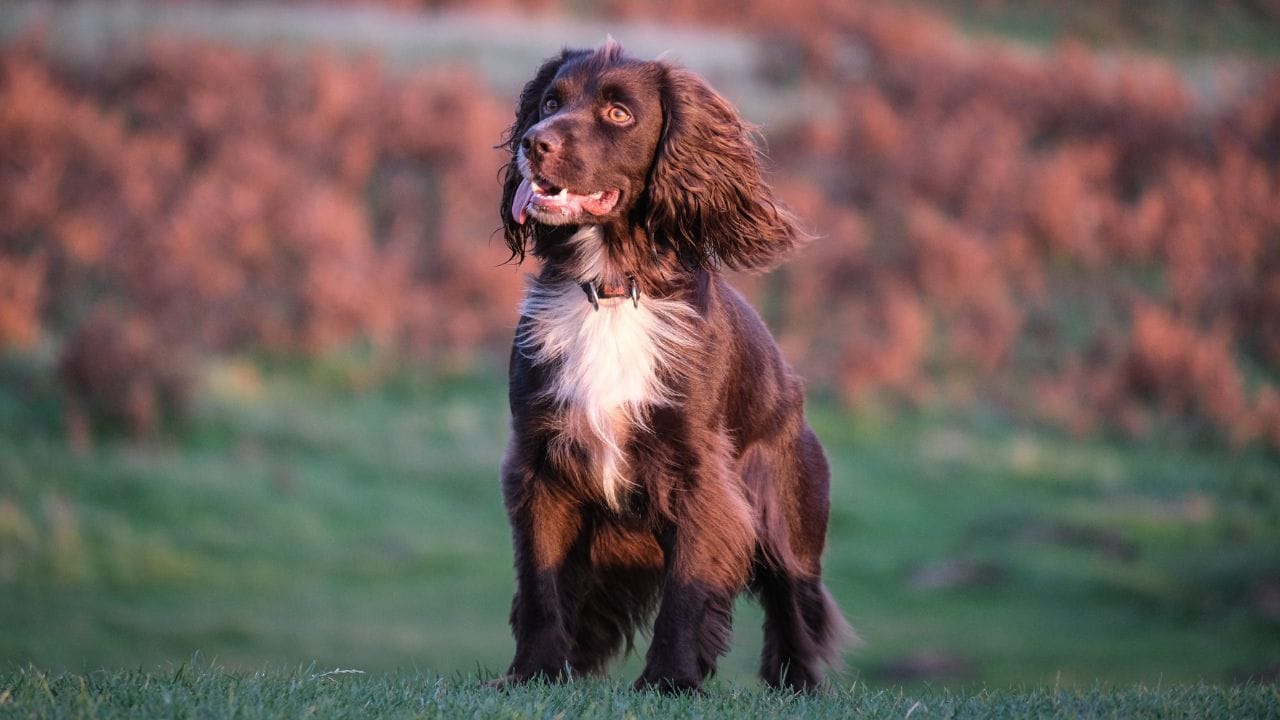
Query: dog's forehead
point(591, 77)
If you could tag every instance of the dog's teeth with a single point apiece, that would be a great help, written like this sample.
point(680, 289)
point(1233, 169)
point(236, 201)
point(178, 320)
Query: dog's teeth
point(564, 193)
point(536, 187)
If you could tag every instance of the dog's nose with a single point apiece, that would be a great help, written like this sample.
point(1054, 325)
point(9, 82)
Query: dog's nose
point(542, 142)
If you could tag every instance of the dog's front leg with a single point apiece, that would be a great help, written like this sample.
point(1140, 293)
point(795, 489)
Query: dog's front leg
point(543, 526)
point(707, 553)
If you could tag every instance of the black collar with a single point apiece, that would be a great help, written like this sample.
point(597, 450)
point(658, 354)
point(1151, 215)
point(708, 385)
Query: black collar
point(595, 292)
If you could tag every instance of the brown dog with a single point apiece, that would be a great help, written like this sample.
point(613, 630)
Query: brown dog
point(659, 455)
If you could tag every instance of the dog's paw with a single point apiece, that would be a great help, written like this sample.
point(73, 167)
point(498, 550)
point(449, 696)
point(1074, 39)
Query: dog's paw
point(795, 678)
point(668, 685)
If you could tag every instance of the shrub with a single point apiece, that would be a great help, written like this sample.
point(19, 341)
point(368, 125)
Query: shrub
point(1079, 239)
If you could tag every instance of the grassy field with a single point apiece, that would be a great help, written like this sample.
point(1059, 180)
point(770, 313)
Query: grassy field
point(1179, 28)
point(331, 514)
point(210, 692)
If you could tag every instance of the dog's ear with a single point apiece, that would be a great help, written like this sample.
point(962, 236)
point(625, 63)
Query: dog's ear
point(518, 236)
point(707, 195)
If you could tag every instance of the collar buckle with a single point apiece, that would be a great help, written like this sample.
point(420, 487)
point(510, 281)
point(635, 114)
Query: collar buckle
point(595, 292)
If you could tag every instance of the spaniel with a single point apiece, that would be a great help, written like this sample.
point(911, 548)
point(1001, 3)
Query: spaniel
point(660, 462)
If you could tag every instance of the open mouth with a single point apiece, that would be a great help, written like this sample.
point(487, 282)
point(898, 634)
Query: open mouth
point(545, 201)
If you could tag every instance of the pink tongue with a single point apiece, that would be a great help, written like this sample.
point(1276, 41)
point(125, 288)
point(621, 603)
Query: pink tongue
point(521, 201)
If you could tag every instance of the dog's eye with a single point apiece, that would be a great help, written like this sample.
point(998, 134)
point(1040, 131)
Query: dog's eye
point(550, 105)
point(618, 114)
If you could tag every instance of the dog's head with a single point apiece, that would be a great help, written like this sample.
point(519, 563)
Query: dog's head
point(603, 139)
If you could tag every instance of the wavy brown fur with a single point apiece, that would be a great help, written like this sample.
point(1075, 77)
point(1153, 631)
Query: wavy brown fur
point(707, 199)
point(706, 193)
point(726, 486)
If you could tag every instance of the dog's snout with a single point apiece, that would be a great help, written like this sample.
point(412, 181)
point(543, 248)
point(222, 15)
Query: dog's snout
point(542, 142)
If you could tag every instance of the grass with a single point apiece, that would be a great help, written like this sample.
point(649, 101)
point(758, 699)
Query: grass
point(211, 692)
point(1176, 28)
point(324, 514)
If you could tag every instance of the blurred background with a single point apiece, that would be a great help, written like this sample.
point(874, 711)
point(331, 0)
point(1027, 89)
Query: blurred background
point(254, 320)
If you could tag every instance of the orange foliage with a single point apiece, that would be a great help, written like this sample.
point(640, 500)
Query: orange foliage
point(222, 199)
point(225, 200)
point(1080, 239)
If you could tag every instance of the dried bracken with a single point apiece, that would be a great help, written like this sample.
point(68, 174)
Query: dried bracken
point(1079, 239)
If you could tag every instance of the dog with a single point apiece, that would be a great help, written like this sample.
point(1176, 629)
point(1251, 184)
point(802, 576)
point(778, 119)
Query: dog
point(659, 460)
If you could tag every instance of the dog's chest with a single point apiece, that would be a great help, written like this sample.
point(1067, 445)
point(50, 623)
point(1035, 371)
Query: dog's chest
point(607, 367)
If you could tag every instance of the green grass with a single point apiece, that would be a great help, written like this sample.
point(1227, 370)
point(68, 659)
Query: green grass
point(323, 514)
point(1178, 28)
point(211, 692)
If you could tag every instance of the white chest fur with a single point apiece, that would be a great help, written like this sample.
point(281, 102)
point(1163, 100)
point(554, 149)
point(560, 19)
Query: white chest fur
point(611, 365)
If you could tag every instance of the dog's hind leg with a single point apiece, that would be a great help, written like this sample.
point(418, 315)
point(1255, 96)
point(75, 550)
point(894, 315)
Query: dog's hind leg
point(804, 630)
